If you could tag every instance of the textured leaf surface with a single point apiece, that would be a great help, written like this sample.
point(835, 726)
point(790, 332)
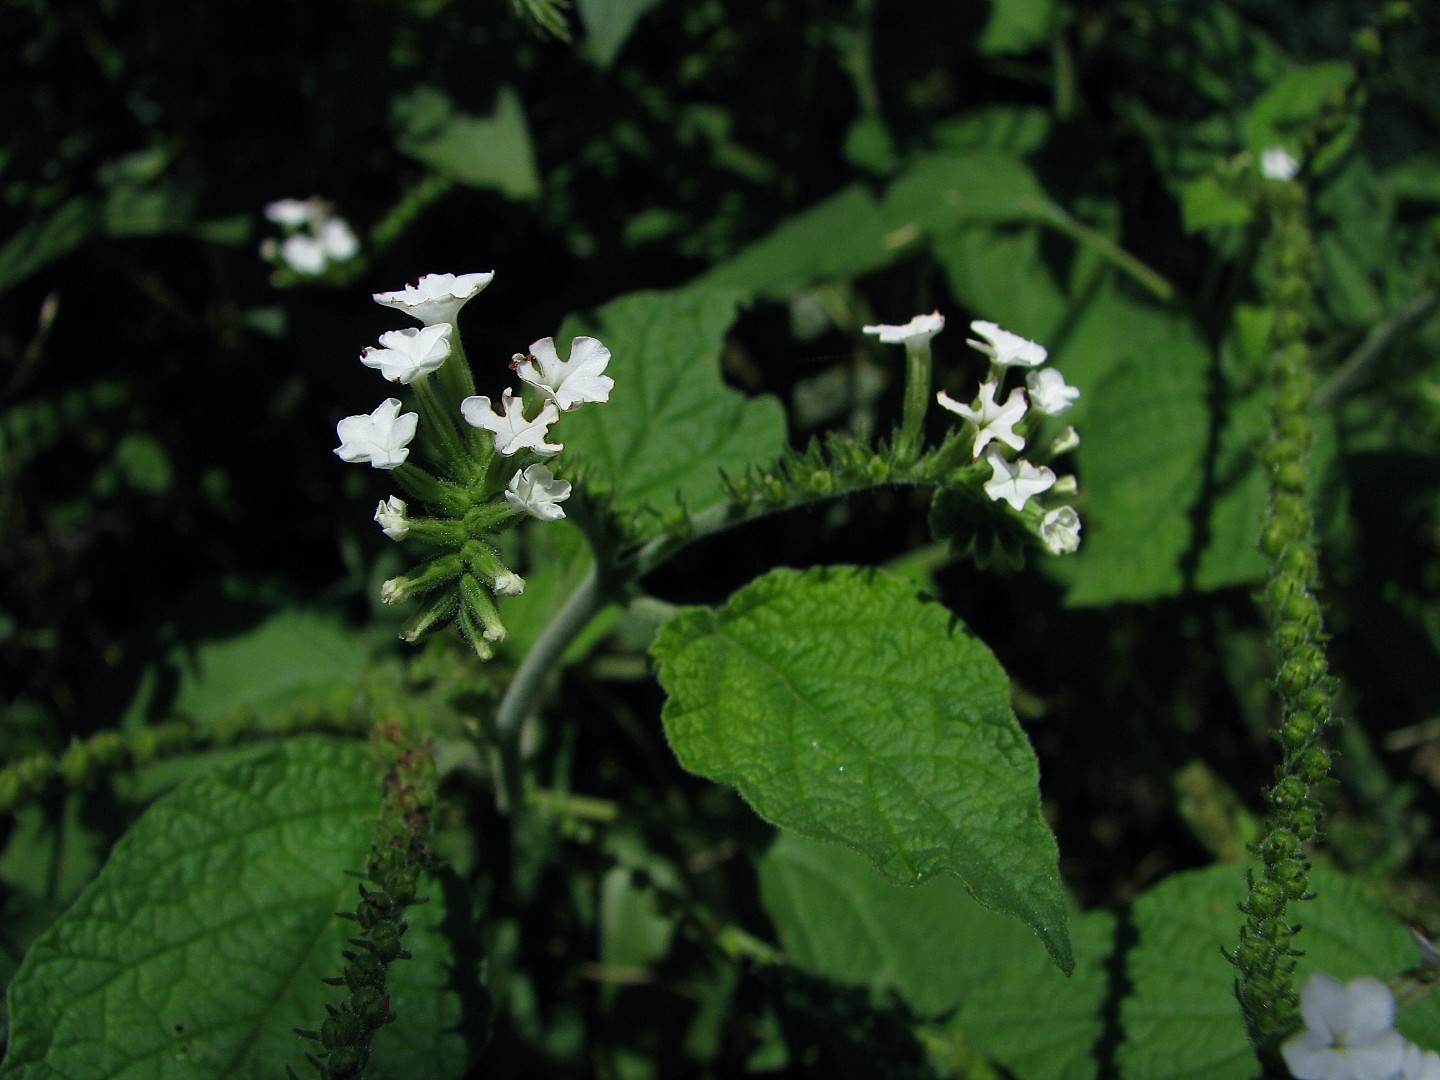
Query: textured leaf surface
point(608, 25)
point(671, 424)
point(204, 939)
point(939, 950)
point(846, 708)
point(480, 151)
point(1181, 1021)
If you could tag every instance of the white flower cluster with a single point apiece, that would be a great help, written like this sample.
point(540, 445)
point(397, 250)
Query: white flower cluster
point(407, 356)
point(1349, 1034)
point(993, 423)
point(315, 236)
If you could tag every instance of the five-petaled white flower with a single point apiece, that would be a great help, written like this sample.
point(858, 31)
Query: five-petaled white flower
point(1005, 348)
point(1349, 1032)
point(1276, 163)
point(379, 438)
point(390, 516)
point(570, 382)
point(1015, 482)
point(991, 420)
point(918, 331)
point(435, 298)
point(1049, 392)
point(405, 355)
point(512, 431)
point(536, 491)
point(1060, 529)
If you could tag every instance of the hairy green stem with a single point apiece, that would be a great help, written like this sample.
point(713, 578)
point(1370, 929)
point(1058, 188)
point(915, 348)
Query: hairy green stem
point(1061, 222)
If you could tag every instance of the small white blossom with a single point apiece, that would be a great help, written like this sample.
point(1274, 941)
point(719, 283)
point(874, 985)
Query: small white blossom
point(1420, 1064)
point(292, 213)
point(992, 421)
point(918, 331)
point(1005, 348)
point(536, 491)
point(1015, 482)
point(1066, 441)
point(405, 355)
point(1049, 392)
point(303, 253)
point(435, 298)
point(508, 584)
point(1066, 485)
point(338, 239)
point(1277, 164)
point(570, 382)
point(379, 438)
point(390, 516)
point(1060, 529)
point(1349, 1032)
point(512, 431)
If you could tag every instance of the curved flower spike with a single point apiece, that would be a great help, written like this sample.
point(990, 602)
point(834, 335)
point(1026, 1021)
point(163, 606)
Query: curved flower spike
point(536, 491)
point(435, 298)
point(380, 438)
point(1049, 392)
point(570, 382)
point(1015, 482)
point(1349, 1032)
point(1005, 348)
point(511, 430)
point(405, 355)
point(992, 421)
point(917, 331)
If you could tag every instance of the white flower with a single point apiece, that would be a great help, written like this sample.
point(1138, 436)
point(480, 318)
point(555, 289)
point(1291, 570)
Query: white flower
point(992, 421)
point(435, 298)
point(379, 438)
point(1420, 1064)
point(292, 213)
point(512, 431)
point(1060, 529)
point(570, 382)
point(337, 239)
point(1016, 482)
point(390, 516)
point(536, 491)
point(1277, 164)
point(918, 331)
point(1349, 1032)
point(1049, 392)
point(1005, 348)
point(405, 355)
point(508, 584)
point(303, 254)
point(1066, 441)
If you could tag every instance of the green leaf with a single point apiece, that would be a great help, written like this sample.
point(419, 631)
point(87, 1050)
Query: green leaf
point(846, 708)
point(947, 190)
point(1015, 129)
point(203, 941)
point(1016, 26)
point(671, 424)
point(1181, 1019)
point(1206, 203)
point(999, 271)
point(1286, 112)
point(44, 241)
point(608, 24)
point(557, 558)
point(480, 151)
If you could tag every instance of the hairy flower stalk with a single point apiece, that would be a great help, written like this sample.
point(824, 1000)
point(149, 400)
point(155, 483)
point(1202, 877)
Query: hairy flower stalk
point(1265, 957)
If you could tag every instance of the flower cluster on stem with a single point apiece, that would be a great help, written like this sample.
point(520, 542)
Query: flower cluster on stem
point(488, 471)
point(314, 236)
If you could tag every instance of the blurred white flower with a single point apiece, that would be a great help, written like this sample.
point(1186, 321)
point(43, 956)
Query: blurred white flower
point(1349, 1032)
point(1066, 441)
point(536, 491)
point(303, 253)
point(405, 355)
point(992, 421)
point(1015, 482)
point(315, 236)
point(570, 382)
point(435, 298)
point(390, 515)
point(1049, 392)
point(1420, 1064)
point(918, 331)
point(380, 438)
point(1005, 348)
point(292, 213)
point(511, 430)
point(508, 584)
point(1060, 529)
point(1277, 164)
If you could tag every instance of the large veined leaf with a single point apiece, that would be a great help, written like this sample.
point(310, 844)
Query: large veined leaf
point(671, 424)
point(203, 941)
point(1181, 1019)
point(846, 708)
